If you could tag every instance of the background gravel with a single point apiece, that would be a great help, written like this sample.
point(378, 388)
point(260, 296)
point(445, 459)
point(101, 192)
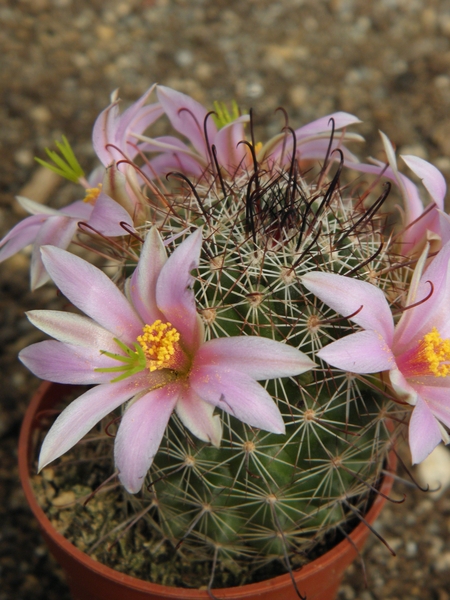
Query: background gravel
point(386, 61)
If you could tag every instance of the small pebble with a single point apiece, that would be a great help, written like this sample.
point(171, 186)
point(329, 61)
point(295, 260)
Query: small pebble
point(442, 562)
point(411, 548)
point(63, 499)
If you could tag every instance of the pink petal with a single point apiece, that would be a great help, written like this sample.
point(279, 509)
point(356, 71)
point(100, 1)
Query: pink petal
point(403, 389)
point(238, 394)
point(78, 210)
point(390, 152)
point(165, 143)
point(174, 162)
point(349, 296)
point(413, 203)
point(136, 119)
point(187, 117)
point(444, 226)
point(174, 294)
point(112, 132)
point(133, 112)
point(103, 134)
point(424, 432)
point(361, 352)
point(96, 177)
point(56, 231)
point(341, 119)
point(230, 154)
point(72, 328)
point(312, 147)
point(140, 433)
point(36, 208)
point(427, 382)
point(431, 177)
point(85, 412)
point(142, 284)
point(121, 188)
point(146, 117)
point(107, 216)
point(437, 398)
point(21, 235)
point(64, 363)
point(433, 312)
point(92, 292)
point(317, 149)
point(197, 416)
point(260, 358)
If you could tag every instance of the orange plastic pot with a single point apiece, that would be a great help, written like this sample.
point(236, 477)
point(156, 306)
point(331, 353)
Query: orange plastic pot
point(90, 580)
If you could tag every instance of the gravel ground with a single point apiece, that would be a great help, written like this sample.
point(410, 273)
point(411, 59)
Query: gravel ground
point(386, 61)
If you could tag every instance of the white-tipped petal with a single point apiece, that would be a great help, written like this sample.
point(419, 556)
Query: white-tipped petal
point(72, 328)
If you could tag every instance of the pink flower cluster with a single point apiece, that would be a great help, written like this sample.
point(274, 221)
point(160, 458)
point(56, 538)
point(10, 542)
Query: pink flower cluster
point(146, 347)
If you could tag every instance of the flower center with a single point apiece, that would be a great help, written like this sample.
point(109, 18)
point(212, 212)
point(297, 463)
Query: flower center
point(159, 342)
point(157, 348)
point(437, 353)
point(431, 357)
point(92, 194)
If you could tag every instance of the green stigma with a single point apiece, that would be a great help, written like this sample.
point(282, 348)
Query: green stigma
point(65, 165)
point(133, 362)
point(222, 116)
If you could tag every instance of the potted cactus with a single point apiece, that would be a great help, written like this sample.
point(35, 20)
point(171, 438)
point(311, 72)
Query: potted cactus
point(263, 332)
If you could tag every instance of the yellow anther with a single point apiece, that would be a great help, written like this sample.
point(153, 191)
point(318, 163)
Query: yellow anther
point(158, 341)
point(92, 194)
point(258, 147)
point(436, 353)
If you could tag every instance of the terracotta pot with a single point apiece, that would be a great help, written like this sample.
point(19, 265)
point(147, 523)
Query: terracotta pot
point(90, 580)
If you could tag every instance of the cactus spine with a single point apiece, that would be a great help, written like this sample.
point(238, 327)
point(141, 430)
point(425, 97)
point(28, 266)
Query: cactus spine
point(262, 498)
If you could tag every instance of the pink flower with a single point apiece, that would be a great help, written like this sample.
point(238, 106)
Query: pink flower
point(415, 353)
point(113, 136)
point(418, 224)
point(48, 226)
point(191, 119)
point(113, 140)
point(148, 346)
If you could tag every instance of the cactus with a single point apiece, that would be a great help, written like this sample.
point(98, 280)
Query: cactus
point(267, 220)
point(262, 497)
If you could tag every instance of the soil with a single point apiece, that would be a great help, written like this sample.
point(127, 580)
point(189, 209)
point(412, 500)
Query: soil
point(386, 61)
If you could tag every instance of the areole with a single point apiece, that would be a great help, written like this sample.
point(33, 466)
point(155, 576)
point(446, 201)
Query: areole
point(90, 580)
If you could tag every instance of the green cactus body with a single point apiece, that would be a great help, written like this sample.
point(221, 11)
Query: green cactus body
point(261, 497)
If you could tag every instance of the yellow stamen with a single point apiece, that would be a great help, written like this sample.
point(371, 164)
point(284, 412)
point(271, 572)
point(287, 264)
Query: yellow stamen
point(92, 194)
point(436, 352)
point(158, 342)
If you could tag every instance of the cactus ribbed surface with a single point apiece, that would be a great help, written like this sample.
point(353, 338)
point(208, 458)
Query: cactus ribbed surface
point(261, 497)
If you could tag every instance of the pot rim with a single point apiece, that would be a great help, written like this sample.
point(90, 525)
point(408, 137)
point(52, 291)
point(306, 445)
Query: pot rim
point(316, 566)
